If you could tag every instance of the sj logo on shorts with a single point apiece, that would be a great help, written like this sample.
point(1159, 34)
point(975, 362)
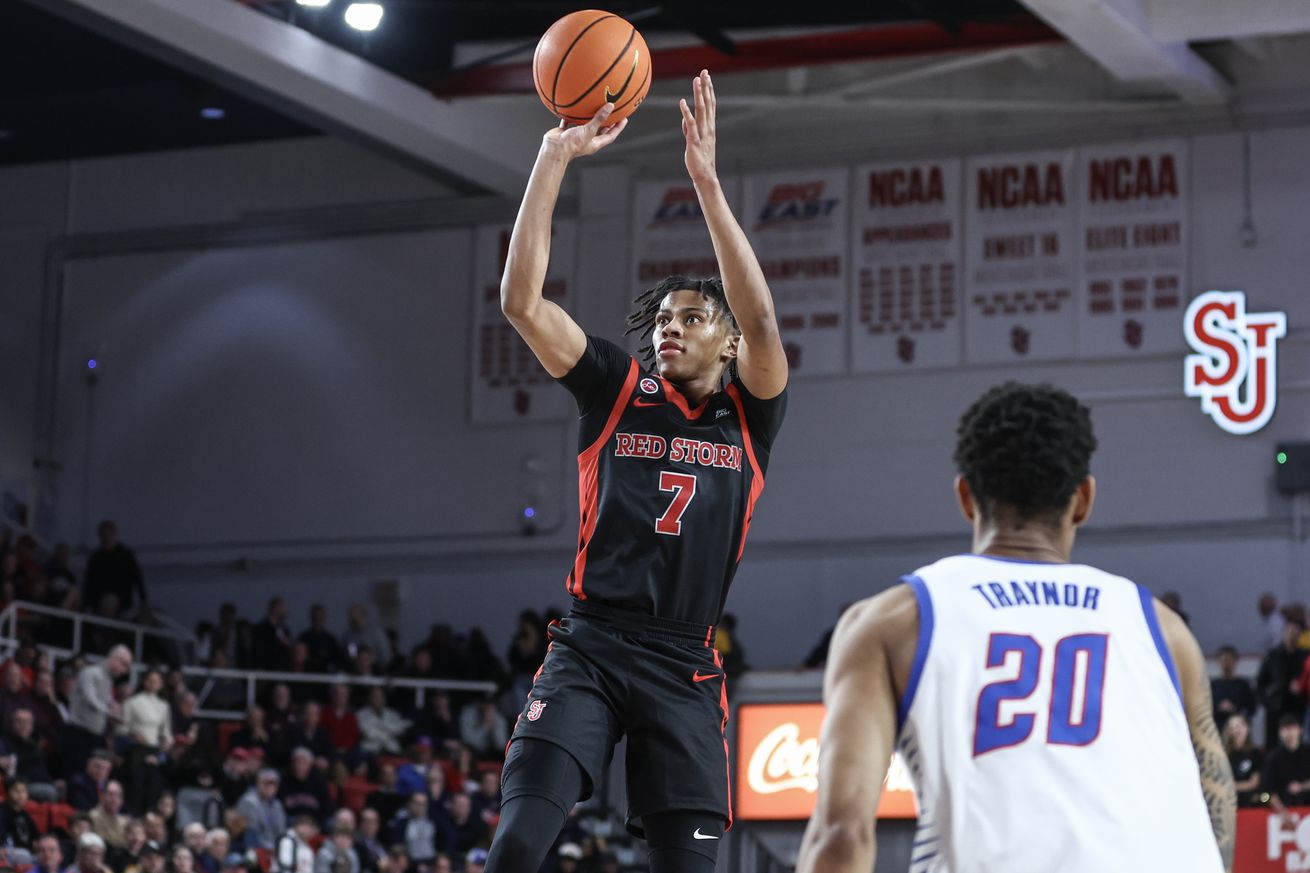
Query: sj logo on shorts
point(535, 709)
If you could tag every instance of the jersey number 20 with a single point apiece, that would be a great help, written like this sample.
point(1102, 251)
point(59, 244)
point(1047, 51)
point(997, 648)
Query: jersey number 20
point(1077, 685)
point(683, 486)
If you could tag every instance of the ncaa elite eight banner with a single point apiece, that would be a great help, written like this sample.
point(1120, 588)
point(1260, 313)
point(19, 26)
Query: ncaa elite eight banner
point(509, 383)
point(797, 222)
point(1020, 257)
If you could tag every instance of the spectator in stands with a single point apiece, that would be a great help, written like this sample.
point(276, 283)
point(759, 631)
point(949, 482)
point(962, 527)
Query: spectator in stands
point(527, 650)
point(93, 706)
point(235, 825)
point(49, 720)
point(1271, 621)
point(414, 830)
point(369, 849)
point(217, 845)
point(398, 859)
point(386, 799)
point(341, 845)
point(342, 726)
point(1232, 694)
point(475, 861)
point(157, 830)
point(482, 663)
point(380, 728)
point(272, 638)
point(152, 857)
point(463, 768)
point(324, 653)
point(193, 837)
point(112, 569)
point(303, 791)
point(412, 776)
point(128, 856)
point(148, 724)
point(107, 819)
point(483, 729)
point(437, 720)
point(225, 692)
point(84, 788)
point(1287, 768)
point(309, 733)
point(193, 743)
point(1244, 758)
point(13, 693)
point(254, 734)
point(236, 776)
point(360, 632)
point(300, 664)
point(17, 830)
point(90, 855)
point(364, 663)
point(29, 759)
point(281, 711)
point(294, 853)
point(446, 658)
point(568, 858)
point(166, 807)
point(49, 857)
point(1278, 681)
point(439, 803)
point(265, 818)
point(59, 572)
point(183, 860)
point(469, 831)
point(486, 799)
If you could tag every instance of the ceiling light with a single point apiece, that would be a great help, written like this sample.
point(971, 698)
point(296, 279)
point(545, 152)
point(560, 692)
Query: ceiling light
point(213, 113)
point(315, 3)
point(364, 16)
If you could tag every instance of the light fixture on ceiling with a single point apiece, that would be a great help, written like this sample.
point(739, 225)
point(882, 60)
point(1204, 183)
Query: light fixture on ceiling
point(213, 113)
point(315, 3)
point(364, 16)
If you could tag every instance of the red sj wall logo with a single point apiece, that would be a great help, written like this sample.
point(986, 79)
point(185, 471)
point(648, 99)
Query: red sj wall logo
point(1235, 369)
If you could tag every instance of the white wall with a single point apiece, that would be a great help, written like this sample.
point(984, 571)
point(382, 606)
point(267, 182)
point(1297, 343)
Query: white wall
point(304, 401)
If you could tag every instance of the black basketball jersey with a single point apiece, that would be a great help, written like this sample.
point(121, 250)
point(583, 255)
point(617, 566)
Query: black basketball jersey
point(666, 492)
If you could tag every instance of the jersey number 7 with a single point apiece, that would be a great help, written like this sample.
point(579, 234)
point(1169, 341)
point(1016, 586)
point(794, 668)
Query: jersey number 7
point(1077, 686)
point(683, 486)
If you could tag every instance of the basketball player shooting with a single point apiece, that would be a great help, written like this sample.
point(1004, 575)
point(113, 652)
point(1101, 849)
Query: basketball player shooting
point(1053, 717)
point(671, 464)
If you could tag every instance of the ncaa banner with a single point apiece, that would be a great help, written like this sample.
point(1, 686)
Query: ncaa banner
point(669, 237)
point(509, 384)
point(905, 312)
point(1133, 202)
point(797, 220)
point(1020, 257)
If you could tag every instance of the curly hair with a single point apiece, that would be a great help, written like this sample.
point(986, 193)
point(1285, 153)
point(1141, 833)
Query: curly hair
point(642, 319)
point(1024, 450)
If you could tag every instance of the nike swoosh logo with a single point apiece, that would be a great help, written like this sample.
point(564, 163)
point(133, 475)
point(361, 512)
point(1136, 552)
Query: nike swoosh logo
point(699, 677)
point(614, 96)
point(640, 402)
point(699, 836)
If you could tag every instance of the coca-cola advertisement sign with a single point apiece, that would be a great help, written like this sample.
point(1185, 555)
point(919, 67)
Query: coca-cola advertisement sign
point(778, 765)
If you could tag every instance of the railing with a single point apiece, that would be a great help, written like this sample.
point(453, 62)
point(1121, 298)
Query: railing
point(12, 615)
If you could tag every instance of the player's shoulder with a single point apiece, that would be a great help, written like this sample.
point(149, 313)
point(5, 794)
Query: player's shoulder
point(884, 618)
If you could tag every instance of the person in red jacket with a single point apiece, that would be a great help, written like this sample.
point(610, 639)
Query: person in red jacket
point(343, 727)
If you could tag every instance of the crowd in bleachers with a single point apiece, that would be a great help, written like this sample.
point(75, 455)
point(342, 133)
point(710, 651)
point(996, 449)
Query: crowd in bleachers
point(107, 768)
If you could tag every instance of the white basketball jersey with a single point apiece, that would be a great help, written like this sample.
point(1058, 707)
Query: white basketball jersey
point(1043, 726)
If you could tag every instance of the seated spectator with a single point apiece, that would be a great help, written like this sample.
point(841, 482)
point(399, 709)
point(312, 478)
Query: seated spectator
point(361, 633)
point(166, 807)
point(486, 799)
point(236, 827)
point(49, 857)
point(468, 831)
point(1287, 768)
point(294, 853)
point(341, 845)
point(309, 733)
point(437, 721)
point(107, 819)
point(364, 664)
point(414, 830)
point(304, 792)
point(217, 845)
point(265, 818)
point(157, 831)
point(14, 694)
point(342, 726)
point(236, 776)
point(412, 776)
point(193, 742)
point(475, 861)
point(380, 727)
point(184, 860)
point(46, 710)
point(254, 734)
point(78, 825)
point(463, 763)
point(90, 856)
point(152, 858)
point(147, 722)
point(193, 837)
point(84, 788)
point(29, 759)
point(1277, 682)
point(324, 653)
point(280, 713)
point(17, 830)
point(225, 692)
point(369, 848)
point(1231, 693)
point(128, 857)
point(483, 729)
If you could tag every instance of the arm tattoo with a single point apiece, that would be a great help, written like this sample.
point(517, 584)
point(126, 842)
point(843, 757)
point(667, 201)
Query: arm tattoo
point(1216, 777)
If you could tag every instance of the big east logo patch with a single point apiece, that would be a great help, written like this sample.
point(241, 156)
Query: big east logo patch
point(1235, 368)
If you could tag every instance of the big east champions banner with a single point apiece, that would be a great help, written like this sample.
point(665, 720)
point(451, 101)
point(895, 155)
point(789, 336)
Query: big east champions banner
point(1020, 257)
point(778, 765)
point(509, 384)
point(1133, 202)
point(669, 237)
point(797, 223)
point(905, 311)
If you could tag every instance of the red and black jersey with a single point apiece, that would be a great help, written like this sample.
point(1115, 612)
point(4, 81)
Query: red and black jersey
point(666, 491)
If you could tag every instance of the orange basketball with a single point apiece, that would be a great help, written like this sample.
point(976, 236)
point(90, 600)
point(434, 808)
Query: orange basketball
point(588, 59)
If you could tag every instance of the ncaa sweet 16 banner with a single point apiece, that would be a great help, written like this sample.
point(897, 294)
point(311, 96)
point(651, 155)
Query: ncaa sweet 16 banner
point(509, 383)
point(905, 310)
point(1133, 210)
point(797, 222)
point(1020, 257)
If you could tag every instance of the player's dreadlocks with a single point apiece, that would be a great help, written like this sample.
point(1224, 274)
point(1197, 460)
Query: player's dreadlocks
point(1025, 448)
point(642, 319)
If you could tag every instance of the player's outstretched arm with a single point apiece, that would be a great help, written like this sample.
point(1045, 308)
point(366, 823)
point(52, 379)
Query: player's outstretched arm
point(1216, 775)
point(859, 730)
point(761, 362)
point(553, 336)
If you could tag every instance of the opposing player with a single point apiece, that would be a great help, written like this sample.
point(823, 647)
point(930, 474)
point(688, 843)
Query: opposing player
point(671, 465)
point(1053, 717)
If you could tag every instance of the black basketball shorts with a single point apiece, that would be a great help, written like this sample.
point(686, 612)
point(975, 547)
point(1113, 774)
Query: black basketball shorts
point(610, 673)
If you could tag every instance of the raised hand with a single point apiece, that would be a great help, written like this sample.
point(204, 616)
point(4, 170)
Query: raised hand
point(698, 129)
point(587, 139)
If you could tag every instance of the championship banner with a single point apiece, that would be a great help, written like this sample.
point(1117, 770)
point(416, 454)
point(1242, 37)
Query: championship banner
point(1020, 257)
point(1133, 202)
point(509, 383)
point(778, 766)
point(905, 312)
point(797, 222)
